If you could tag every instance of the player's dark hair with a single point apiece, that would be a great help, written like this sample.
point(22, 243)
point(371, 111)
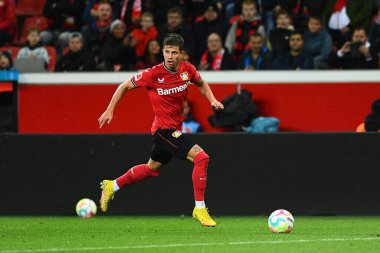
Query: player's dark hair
point(174, 39)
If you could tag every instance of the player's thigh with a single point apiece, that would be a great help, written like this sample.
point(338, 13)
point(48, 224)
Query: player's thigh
point(173, 142)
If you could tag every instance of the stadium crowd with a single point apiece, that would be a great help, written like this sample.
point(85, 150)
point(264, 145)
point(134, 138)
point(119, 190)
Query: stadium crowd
point(124, 35)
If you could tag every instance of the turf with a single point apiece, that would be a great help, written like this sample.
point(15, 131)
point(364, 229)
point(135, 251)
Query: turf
point(182, 234)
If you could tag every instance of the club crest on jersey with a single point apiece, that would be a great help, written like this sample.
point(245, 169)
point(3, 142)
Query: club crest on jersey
point(176, 134)
point(184, 76)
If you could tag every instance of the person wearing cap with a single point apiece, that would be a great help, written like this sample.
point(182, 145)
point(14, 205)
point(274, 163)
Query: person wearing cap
point(118, 51)
point(212, 23)
point(76, 59)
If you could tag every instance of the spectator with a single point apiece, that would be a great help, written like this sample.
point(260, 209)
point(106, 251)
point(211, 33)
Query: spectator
point(318, 43)
point(64, 17)
point(143, 35)
point(176, 24)
point(342, 16)
point(34, 47)
point(248, 23)
point(357, 53)
point(212, 23)
point(161, 10)
point(130, 13)
point(297, 58)
point(6, 62)
point(374, 35)
point(91, 13)
point(216, 57)
point(189, 125)
point(279, 37)
point(152, 56)
point(268, 10)
point(372, 121)
point(8, 23)
point(257, 57)
point(100, 29)
point(301, 10)
point(118, 52)
point(76, 59)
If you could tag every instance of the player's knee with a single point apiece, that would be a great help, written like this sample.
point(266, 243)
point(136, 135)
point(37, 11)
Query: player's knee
point(201, 157)
point(152, 172)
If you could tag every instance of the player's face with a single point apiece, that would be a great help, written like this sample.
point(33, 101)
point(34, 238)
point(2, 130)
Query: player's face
point(172, 56)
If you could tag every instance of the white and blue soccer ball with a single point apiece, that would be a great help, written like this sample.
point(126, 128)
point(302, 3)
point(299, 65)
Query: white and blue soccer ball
point(281, 221)
point(86, 208)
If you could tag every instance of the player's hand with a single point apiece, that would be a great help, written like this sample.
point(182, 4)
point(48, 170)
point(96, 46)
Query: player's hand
point(106, 117)
point(217, 105)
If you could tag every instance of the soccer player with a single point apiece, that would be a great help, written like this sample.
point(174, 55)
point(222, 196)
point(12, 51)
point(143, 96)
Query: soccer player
point(166, 84)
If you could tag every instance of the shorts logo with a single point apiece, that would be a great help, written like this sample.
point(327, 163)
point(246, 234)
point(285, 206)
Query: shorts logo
point(176, 134)
point(184, 76)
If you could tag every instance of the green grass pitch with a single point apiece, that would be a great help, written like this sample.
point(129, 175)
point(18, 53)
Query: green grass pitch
point(183, 234)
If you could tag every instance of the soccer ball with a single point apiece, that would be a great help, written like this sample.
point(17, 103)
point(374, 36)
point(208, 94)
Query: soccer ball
point(86, 208)
point(281, 221)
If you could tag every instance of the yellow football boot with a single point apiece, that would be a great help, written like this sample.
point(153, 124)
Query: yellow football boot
point(202, 215)
point(107, 194)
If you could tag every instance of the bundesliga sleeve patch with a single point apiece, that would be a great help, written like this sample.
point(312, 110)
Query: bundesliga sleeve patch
point(176, 134)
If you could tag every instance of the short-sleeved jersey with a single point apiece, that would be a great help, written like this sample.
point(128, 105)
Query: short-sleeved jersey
point(167, 91)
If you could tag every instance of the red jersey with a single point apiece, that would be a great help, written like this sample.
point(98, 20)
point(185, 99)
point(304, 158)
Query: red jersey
point(167, 92)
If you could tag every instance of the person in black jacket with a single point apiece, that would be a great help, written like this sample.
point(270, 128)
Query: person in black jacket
point(212, 23)
point(64, 17)
point(118, 52)
point(77, 59)
point(176, 24)
point(357, 53)
point(216, 57)
point(297, 58)
point(257, 57)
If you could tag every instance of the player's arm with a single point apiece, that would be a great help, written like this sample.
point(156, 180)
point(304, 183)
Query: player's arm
point(207, 92)
point(119, 93)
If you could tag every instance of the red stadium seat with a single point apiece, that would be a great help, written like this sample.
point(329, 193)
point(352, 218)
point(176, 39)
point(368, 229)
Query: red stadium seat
point(30, 7)
point(39, 22)
point(52, 52)
point(11, 49)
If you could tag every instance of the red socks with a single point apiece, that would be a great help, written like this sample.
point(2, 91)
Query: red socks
point(200, 175)
point(136, 174)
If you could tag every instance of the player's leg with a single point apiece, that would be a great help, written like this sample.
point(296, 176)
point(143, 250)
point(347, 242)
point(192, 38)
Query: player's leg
point(133, 175)
point(200, 159)
point(140, 172)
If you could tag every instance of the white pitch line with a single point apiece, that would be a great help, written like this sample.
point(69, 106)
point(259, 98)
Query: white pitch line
point(185, 245)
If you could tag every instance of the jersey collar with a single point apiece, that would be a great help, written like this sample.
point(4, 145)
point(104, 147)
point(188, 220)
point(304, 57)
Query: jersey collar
point(171, 71)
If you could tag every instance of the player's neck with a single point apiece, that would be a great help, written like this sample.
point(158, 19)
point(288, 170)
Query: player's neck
point(172, 69)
